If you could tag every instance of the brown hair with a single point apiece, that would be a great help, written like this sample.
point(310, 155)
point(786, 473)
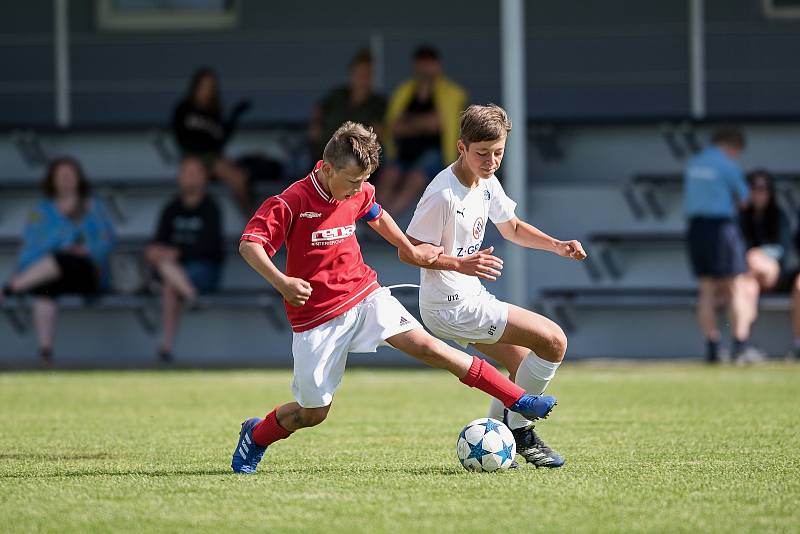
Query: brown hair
point(353, 143)
point(49, 185)
point(363, 56)
point(215, 105)
point(426, 52)
point(484, 123)
point(771, 218)
point(728, 135)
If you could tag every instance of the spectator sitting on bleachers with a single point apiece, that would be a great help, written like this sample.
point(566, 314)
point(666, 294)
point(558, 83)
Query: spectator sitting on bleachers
point(65, 248)
point(421, 131)
point(767, 233)
point(356, 101)
point(714, 186)
point(186, 251)
point(200, 130)
point(795, 286)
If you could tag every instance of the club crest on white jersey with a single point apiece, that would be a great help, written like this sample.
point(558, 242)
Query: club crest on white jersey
point(477, 228)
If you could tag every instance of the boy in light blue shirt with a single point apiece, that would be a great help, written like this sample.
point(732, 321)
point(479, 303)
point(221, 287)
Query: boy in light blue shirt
point(715, 189)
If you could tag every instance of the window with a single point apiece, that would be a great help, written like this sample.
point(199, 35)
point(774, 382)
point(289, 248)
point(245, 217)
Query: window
point(166, 14)
point(781, 9)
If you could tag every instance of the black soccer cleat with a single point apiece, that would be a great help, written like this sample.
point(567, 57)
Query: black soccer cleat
point(535, 451)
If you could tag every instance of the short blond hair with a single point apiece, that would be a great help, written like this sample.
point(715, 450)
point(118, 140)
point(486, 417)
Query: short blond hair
point(353, 143)
point(484, 123)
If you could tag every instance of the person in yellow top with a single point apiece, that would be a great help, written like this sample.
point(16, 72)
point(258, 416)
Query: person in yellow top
point(421, 131)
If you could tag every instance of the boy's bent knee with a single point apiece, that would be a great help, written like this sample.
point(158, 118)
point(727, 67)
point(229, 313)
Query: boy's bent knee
point(556, 343)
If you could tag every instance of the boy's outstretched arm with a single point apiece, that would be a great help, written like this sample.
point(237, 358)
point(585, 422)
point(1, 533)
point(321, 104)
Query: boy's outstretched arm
point(420, 255)
point(296, 291)
point(481, 264)
point(526, 235)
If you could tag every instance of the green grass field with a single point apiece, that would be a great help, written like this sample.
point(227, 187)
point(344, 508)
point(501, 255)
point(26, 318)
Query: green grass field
point(649, 448)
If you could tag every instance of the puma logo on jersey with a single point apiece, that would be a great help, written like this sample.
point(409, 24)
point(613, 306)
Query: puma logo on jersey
point(460, 212)
point(332, 236)
point(310, 215)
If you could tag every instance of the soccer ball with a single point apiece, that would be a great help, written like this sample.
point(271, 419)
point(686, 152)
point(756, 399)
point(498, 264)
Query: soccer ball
point(486, 445)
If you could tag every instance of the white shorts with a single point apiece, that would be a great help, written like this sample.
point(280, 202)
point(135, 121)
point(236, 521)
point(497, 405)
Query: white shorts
point(320, 354)
point(481, 319)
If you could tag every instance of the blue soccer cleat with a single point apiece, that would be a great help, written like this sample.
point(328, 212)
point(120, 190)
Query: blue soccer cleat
point(247, 454)
point(535, 451)
point(533, 407)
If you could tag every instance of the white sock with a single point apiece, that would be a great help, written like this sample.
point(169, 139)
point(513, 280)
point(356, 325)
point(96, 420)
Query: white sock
point(496, 410)
point(533, 375)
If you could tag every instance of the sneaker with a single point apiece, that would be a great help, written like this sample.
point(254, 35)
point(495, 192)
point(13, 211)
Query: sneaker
point(45, 358)
point(247, 454)
point(164, 355)
point(533, 407)
point(713, 355)
point(749, 354)
point(535, 451)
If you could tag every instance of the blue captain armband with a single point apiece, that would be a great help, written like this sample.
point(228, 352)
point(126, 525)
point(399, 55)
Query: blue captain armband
point(374, 212)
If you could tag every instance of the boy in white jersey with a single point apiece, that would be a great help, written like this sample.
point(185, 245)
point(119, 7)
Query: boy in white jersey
point(454, 305)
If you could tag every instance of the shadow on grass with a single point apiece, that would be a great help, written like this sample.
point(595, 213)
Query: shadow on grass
point(316, 471)
point(121, 473)
point(365, 470)
point(55, 457)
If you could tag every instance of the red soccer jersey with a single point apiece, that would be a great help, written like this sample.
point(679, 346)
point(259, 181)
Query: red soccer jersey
point(319, 233)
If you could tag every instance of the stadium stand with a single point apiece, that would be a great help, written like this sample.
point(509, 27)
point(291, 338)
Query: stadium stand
point(646, 191)
point(640, 268)
point(630, 217)
point(131, 173)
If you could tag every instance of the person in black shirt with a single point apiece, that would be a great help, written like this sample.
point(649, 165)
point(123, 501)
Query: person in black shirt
point(795, 287)
point(767, 232)
point(187, 249)
point(201, 130)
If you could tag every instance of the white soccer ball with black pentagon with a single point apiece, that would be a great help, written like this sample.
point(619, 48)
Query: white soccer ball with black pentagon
point(486, 445)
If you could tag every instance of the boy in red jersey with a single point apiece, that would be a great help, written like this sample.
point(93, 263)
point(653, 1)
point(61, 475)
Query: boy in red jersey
point(332, 298)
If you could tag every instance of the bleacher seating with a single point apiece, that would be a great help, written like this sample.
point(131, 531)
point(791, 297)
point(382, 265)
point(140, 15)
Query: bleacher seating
point(243, 322)
point(636, 299)
point(563, 302)
point(606, 246)
point(638, 294)
point(645, 192)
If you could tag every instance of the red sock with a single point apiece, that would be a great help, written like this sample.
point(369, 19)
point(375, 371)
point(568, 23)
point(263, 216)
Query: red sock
point(269, 430)
point(484, 376)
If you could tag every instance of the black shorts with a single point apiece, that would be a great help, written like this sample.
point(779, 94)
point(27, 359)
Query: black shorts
point(785, 281)
point(78, 275)
point(716, 247)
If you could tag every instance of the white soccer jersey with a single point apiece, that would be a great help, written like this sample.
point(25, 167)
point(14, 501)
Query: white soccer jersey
point(454, 217)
